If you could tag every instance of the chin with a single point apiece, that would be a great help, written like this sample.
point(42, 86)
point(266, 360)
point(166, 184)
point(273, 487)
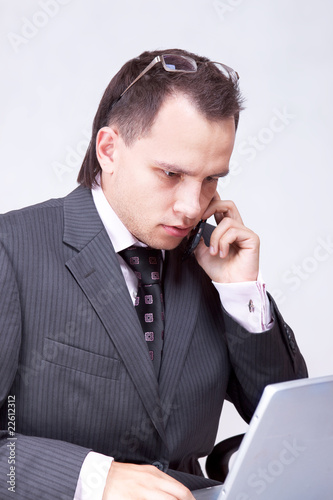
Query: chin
point(171, 245)
point(157, 238)
point(162, 244)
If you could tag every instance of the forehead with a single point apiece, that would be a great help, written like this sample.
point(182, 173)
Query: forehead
point(178, 113)
point(180, 133)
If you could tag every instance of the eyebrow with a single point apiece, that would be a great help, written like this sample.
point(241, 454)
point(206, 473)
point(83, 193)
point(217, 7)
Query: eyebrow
point(181, 170)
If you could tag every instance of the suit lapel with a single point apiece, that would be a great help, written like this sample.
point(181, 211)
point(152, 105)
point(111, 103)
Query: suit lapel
point(182, 298)
point(97, 271)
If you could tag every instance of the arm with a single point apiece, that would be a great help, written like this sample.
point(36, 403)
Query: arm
point(44, 468)
point(260, 359)
point(257, 359)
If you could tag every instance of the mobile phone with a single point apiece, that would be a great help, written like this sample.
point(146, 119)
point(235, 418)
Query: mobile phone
point(194, 239)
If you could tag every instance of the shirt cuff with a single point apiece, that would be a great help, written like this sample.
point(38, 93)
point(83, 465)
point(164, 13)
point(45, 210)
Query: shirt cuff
point(247, 303)
point(92, 478)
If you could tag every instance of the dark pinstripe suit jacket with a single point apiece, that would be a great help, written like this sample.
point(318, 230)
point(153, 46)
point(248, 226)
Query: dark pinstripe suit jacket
point(73, 355)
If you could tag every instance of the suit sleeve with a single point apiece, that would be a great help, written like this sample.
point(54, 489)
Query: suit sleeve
point(33, 467)
point(260, 359)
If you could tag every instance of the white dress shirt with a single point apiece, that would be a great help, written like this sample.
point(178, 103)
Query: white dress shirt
point(246, 302)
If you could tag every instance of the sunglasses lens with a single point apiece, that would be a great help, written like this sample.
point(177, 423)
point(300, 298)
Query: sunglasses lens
point(227, 71)
point(173, 62)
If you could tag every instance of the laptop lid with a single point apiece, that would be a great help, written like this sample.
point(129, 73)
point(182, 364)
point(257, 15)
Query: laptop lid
point(287, 451)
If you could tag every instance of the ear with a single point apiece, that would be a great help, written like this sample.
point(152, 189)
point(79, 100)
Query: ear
point(106, 143)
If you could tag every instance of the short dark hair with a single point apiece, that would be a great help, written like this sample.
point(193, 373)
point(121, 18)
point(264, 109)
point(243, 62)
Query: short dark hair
point(211, 92)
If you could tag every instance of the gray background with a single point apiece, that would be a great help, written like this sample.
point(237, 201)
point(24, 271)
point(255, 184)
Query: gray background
point(59, 55)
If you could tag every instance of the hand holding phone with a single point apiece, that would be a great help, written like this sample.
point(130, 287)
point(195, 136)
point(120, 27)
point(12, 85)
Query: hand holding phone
point(194, 239)
point(233, 252)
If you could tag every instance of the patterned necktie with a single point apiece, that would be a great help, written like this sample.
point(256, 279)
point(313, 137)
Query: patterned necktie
point(146, 263)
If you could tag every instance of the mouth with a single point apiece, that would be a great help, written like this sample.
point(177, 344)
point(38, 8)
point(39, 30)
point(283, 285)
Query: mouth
point(178, 231)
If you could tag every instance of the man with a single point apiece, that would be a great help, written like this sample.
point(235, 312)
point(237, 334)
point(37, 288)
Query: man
point(104, 408)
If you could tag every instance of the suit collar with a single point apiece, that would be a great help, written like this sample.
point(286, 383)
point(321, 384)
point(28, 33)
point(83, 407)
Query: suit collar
point(81, 220)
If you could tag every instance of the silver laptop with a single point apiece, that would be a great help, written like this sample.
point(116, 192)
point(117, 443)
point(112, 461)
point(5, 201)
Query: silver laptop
point(287, 451)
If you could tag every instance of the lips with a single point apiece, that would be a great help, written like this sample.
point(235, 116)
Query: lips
point(177, 231)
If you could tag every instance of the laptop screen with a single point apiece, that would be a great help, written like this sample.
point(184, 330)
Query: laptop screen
point(287, 452)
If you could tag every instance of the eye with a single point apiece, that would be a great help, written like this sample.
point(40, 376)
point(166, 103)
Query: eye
point(212, 179)
point(170, 174)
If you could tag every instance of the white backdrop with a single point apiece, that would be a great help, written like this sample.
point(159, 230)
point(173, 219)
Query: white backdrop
point(59, 55)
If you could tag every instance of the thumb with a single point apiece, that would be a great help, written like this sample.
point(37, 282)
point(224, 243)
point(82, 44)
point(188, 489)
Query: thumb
point(201, 250)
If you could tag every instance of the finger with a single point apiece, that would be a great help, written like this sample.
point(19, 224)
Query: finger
point(177, 491)
point(241, 238)
point(224, 226)
point(228, 209)
point(166, 488)
point(216, 196)
point(230, 232)
point(172, 487)
point(201, 249)
point(222, 209)
point(142, 482)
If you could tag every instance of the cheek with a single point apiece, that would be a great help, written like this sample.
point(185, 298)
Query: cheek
point(148, 200)
point(129, 186)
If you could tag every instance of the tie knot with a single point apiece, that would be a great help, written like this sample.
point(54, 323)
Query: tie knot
point(145, 262)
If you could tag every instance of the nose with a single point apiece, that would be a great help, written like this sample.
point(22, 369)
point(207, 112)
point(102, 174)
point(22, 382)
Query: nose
point(188, 201)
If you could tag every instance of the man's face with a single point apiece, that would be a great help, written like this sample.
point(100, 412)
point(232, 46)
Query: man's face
point(162, 184)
